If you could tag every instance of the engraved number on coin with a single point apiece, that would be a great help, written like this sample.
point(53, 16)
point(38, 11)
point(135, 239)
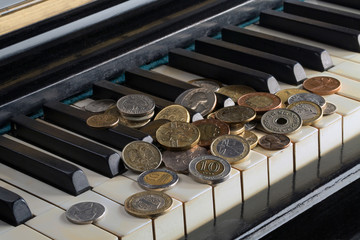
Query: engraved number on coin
point(209, 167)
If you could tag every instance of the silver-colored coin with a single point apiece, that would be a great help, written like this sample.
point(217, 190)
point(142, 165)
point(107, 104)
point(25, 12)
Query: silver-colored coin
point(232, 148)
point(85, 212)
point(250, 125)
point(209, 169)
point(308, 111)
point(203, 83)
point(135, 105)
point(157, 179)
point(311, 97)
point(99, 106)
point(329, 109)
point(282, 121)
point(139, 119)
point(200, 100)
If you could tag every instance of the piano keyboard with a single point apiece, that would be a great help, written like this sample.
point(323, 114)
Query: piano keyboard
point(259, 190)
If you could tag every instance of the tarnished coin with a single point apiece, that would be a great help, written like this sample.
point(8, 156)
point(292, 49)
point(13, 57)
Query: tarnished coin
point(237, 128)
point(311, 97)
point(113, 110)
point(135, 105)
point(99, 106)
point(102, 121)
point(211, 115)
point(260, 101)
point(235, 114)
point(235, 91)
point(178, 135)
point(178, 161)
point(284, 94)
point(251, 138)
point(85, 212)
point(329, 109)
point(200, 100)
point(153, 126)
point(322, 85)
point(274, 141)
point(308, 111)
point(157, 179)
point(210, 84)
point(209, 169)
point(232, 148)
point(174, 113)
point(250, 125)
point(282, 121)
point(210, 129)
point(148, 204)
point(140, 156)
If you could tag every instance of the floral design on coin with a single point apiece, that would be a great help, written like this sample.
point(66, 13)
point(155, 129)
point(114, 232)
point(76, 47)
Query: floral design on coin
point(135, 105)
point(260, 101)
point(235, 114)
point(232, 148)
point(274, 141)
point(282, 121)
point(157, 179)
point(99, 106)
point(308, 111)
point(102, 121)
point(200, 100)
point(85, 212)
point(210, 129)
point(322, 85)
point(174, 113)
point(310, 97)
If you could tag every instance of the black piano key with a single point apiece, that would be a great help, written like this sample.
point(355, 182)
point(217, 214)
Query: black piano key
point(324, 14)
point(347, 3)
point(75, 120)
point(339, 36)
point(51, 170)
point(283, 69)
point(84, 152)
point(223, 71)
point(309, 56)
point(14, 209)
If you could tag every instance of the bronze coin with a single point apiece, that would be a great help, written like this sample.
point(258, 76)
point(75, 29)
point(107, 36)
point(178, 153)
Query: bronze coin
point(260, 101)
point(322, 85)
point(235, 114)
point(153, 126)
point(210, 129)
point(274, 141)
point(102, 121)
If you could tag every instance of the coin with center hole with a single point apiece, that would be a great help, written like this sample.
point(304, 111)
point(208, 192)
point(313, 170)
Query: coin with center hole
point(232, 148)
point(274, 141)
point(281, 121)
point(85, 212)
point(157, 179)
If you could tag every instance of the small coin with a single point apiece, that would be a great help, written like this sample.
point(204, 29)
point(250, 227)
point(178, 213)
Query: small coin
point(237, 128)
point(284, 94)
point(260, 101)
point(200, 100)
point(235, 91)
point(235, 114)
point(308, 111)
point(153, 126)
point(85, 212)
point(329, 108)
point(135, 105)
point(232, 148)
point(322, 85)
point(140, 156)
point(251, 138)
point(209, 169)
point(157, 179)
point(281, 121)
point(174, 113)
point(102, 121)
point(210, 129)
point(210, 84)
point(99, 106)
point(148, 204)
point(250, 125)
point(274, 141)
point(311, 97)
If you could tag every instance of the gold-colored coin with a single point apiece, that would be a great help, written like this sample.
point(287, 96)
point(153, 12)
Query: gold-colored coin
point(139, 119)
point(232, 148)
point(308, 111)
point(157, 179)
point(174, 113)
point(102, 121)
point(211, 115)
point(132, 124)
point(260, 101)
point(235, 91)
point(284, 94)
point(235, 114)
point(153, 126)
point(178, 135)
point(210, 129)
point(251, 138)
point(236, 129)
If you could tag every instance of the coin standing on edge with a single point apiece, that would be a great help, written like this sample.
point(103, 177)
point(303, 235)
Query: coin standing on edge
point(308, 111)
point(174, 113)
point(157, 179)
point(281, 121)
point(232, 148)
point(102, 121)
point(322, 85)
point(210, 129)
point(99, 106)
point(260, 101)
point(311, 97)
point(85, 212)
point(274, 141)
point(329, 109)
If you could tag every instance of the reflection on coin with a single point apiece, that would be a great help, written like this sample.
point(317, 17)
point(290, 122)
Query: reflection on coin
point(200, 100)
point(235, 91)
point(232, 148)
point(148, 204)
point(174, 113)
point(85, 212)
point(251, 138)
point(235, 114)
point(153, 126)
point(311, 97)
point(210, 129)
point(99, 106)
point(260, 101)
point(135, 105)
point(140, 156)
point(210, 84)
point(250, 125)
point(102, 121)
point(329, 108)
point(274, 141)
point(308, 111)
point(209, 169)
point(282, 121)
point(322, 85)
point(157, 179)
point(284, 94)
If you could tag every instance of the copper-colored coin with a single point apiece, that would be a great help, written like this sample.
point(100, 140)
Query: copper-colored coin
point(210, 129)
point(251, 138)
point(211, 115)
point(322, 85)
point(284, 94)
point(260, 101)
point(274, 141)
point(235, 114)
point(153, 126)
point(174, 113)
point(102, 121)
point(235, 91)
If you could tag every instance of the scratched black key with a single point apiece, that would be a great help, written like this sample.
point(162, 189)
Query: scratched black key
point(346, 3)
point(46, 168)
point(79, 150)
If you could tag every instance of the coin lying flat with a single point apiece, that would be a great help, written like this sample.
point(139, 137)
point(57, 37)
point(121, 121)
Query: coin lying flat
point(209, 169)
point(200, 100)
point(174, 113)
point(329, 108)
point(135, 105)
point(102, 121)
point(210, 84)
point(153, 126)
point(113, 110)
point(99, 106)
point(157, 179)
point(137, 118)
point(322, 85)
point(260, 101)
point(274, 141)
point(232, 148)
point(148, 204)
point(210, 129)
point(250, 125)
point(235, 91)
point(251, 138)
point(281, 121)
point(235, 114)
point(311, 97)
point(308, 111)
point(284, 94)
point(85, 212)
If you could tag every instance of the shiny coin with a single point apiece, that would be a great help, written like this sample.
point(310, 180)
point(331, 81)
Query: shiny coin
point(200, 100)
point(174, 113)
point(178, 135)
point(251, 138)
point(322, 85)
point(250, 125)
point(329, 109)
point(114, 112)
point(235, 91)
point(153, 126)
point(140, 156)
point(260, 101)
point(209, 169)
point(135, 105)
point(232, 148)
point(102, 121)
point(99, 106)
point(210, 129)
point(282, 121)
point(157, 179)
point(85, 212)
point(235, 114)
point(284, 94)
point(274, 141)
point(311, 97)
point(148, 204)
point(210, 84)
point(139, 119)
point(308, 111)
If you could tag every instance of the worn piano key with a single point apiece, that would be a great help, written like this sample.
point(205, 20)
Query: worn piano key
point(320, 31)
point(348, 3)
point(89, 154)
point(51, 170)
point(309, 56)
point(75, 120)
point(347, 69)
point(23, 232)
point(14, 209)
point(283, 69)
point(226, 72)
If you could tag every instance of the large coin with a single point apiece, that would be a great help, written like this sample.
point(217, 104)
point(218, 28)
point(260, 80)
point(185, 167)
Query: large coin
point(235, 114)
point(140, 156)
point(153, 126)
point(274, 141)
point(102, 121)
point(135, 105)
point(329, 108)
point(232, 148)
point(251, 138)
point(235, 91)
point(282, 121)
point(85, 212)
point(284, 94)
point(174, 113)
point(210, 129)
point(157, 179)
point(209, 169)
point(311, 97)
point(210, 84)
point(322, 85)
point(99, 106)
point(308, 111)
point(200, 100)
point(148, 204)
point(260, 101)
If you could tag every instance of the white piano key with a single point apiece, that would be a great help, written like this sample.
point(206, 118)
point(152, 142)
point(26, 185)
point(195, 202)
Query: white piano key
point(23, 232)
point(175, 73)
point(335, 6)
point(5, 227)
point(347, 69)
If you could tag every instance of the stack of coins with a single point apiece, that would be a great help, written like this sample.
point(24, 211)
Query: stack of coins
point(136, 108)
